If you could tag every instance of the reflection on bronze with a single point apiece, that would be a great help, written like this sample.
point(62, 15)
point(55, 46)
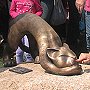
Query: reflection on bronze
point(1, 39)
point(55, 57)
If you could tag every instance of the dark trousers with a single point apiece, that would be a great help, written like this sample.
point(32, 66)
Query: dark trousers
point(73, 26)
point(4, 19)
point(47, 6)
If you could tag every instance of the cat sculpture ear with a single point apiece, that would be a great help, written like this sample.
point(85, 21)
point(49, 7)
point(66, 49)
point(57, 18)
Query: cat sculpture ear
point(70, 52)
point(66, 45)
point(52, 53)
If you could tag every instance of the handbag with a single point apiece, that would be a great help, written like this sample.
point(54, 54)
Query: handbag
point(58, 14)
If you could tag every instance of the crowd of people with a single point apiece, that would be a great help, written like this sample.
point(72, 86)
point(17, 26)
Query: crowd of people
point(44, 8)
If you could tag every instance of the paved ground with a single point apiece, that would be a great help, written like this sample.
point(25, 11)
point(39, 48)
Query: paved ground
point(39, 80)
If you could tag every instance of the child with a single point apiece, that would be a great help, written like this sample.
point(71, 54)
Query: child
point(19, 7)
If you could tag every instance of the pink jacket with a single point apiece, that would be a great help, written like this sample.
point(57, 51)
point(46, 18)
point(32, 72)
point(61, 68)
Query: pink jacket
point(21, 6)
point(87, 5)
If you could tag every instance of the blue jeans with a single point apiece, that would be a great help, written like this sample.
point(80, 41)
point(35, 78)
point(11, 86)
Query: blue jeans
point(87, 20)
point(21, 55)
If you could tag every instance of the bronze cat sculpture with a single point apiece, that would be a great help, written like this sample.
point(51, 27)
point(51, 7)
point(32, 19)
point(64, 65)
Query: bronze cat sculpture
point(45, 45)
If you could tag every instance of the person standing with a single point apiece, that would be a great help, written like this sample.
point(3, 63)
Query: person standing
point(4, 28)
point(47, 6)
point(19, 7)
point(73, 31)
point(4, 19)
point(85, 4)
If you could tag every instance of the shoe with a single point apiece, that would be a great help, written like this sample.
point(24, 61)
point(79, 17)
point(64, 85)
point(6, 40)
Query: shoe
point(30, 61)
point(37, 60)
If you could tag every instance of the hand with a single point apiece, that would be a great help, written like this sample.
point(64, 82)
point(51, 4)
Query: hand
point(84, 58)
point(80, 5)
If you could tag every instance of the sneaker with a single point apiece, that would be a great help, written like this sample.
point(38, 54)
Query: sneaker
point(30, 61)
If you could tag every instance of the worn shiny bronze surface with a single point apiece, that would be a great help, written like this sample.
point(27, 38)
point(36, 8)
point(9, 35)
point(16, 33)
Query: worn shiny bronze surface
point(54, 56)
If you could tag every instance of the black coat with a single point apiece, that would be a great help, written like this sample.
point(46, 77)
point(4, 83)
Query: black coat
point(4, 18)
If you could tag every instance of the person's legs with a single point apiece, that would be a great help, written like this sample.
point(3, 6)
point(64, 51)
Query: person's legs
point(4, 19)
point(47, 6)
point(28, 56)
point(87, 19)
point(73, 30)
point(19, 55)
